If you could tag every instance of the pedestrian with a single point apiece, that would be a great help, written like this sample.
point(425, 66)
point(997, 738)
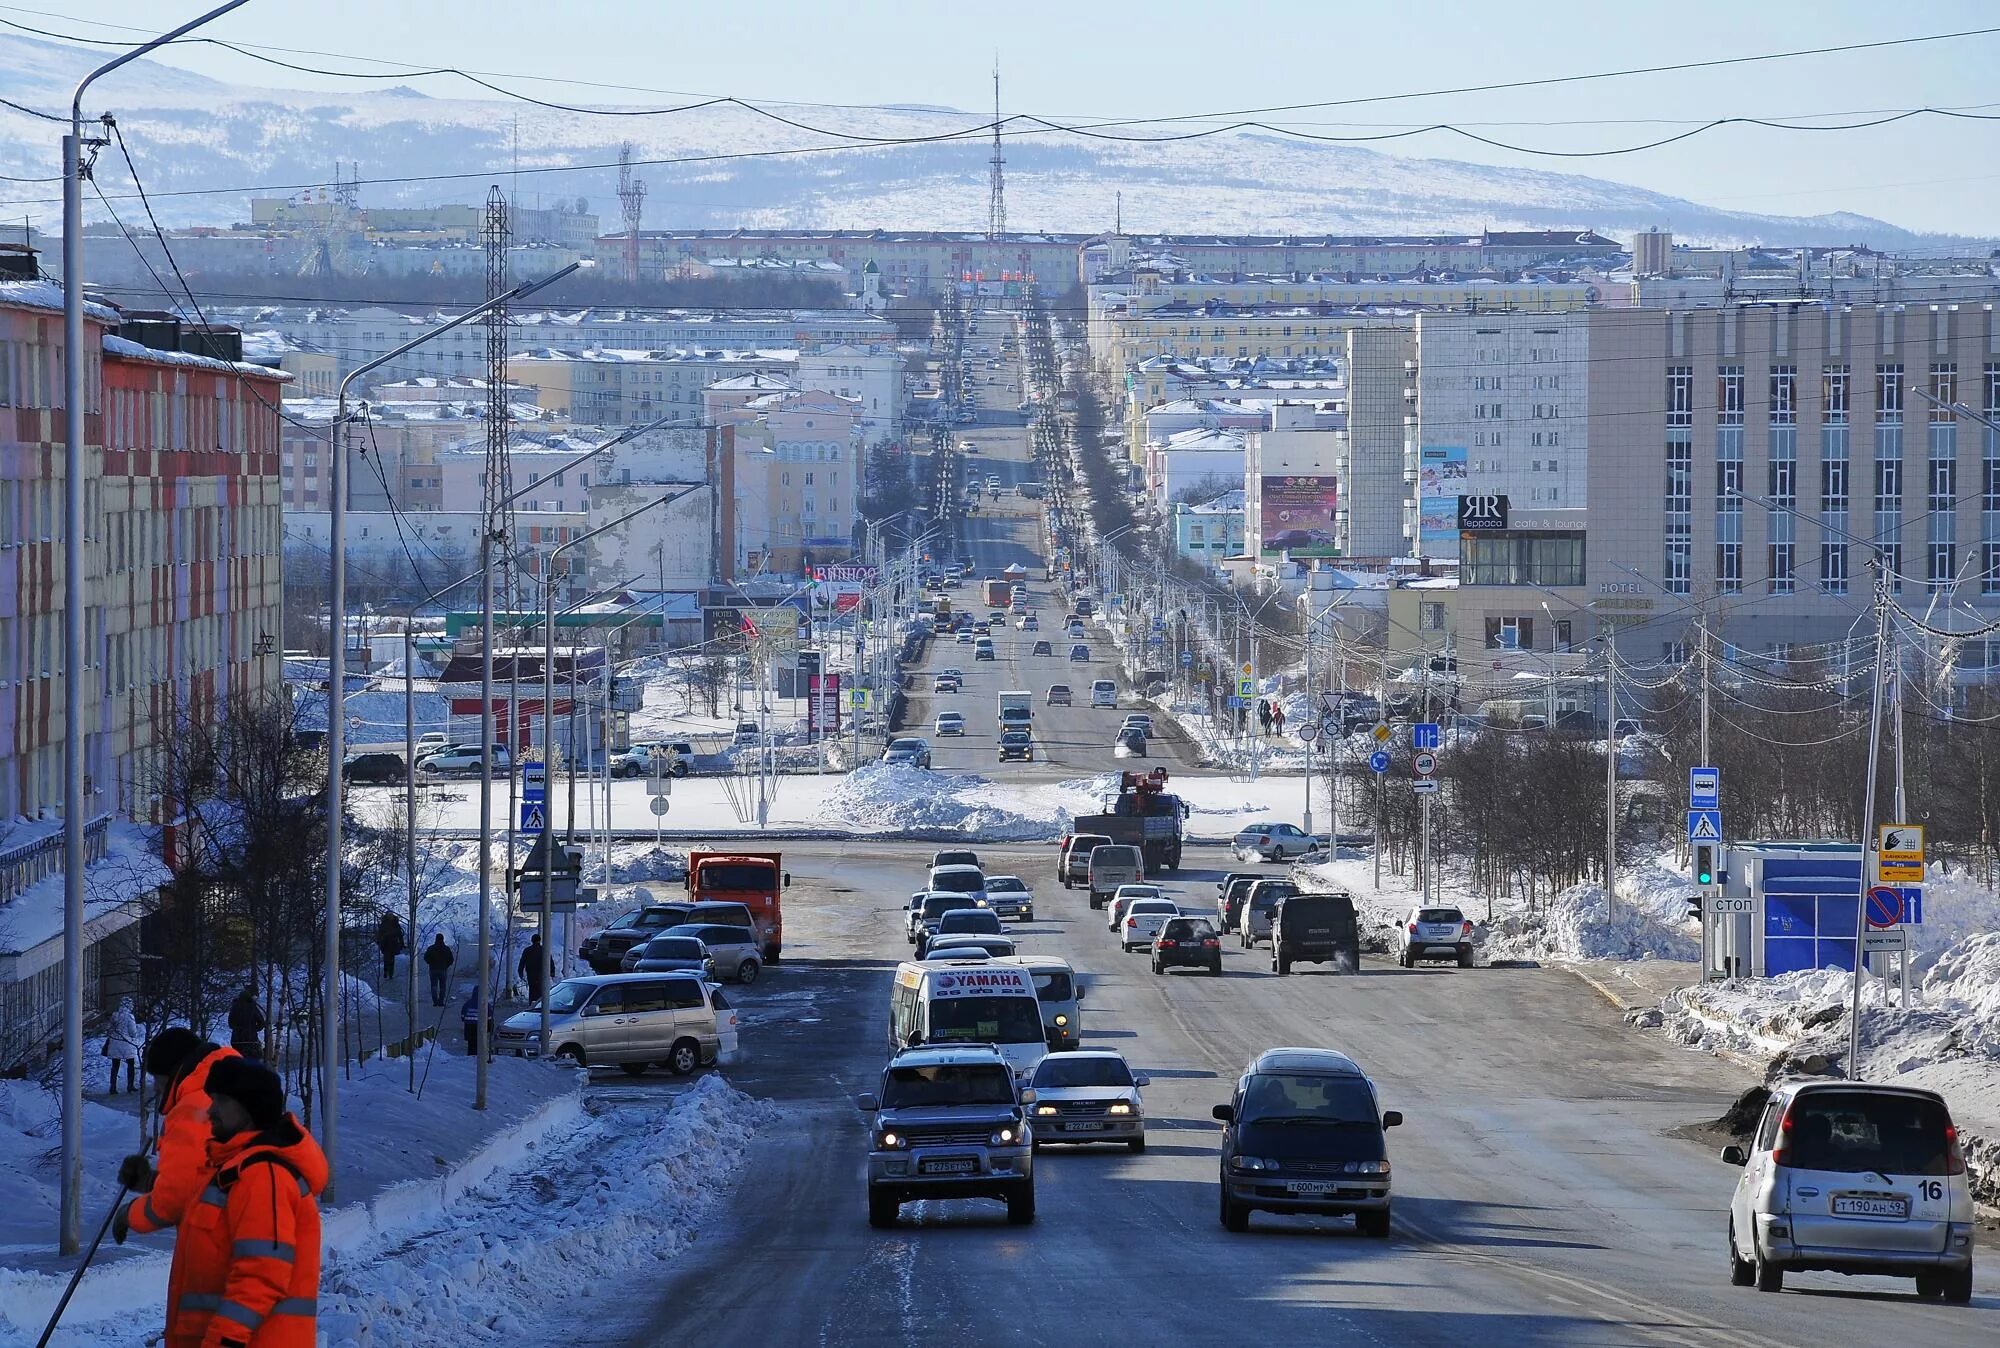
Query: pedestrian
point(438, 959)
point(1277, 721)
point(252, 1272)
point(469, 1014)
point(389, 939)
point(1263, 716)
point(179, 1062)
point(246, 1024)
point(534, 967)
point(121, 1045)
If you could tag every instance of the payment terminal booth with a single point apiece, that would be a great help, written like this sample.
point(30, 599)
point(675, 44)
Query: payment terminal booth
point(1786, 906)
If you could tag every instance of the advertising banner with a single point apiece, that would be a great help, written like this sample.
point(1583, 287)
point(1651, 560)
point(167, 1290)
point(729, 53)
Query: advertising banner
point(823, 704)
point(1440, 481)
point(1297, 515)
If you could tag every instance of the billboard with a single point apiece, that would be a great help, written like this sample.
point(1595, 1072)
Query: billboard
point(1296, 514)
point(1440, 481)
point(823, 703)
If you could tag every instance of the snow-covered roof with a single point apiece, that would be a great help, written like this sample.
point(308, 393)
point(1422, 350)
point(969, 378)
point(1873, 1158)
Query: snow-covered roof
point(48, 296)
point(614, 355)
point(126, 349)
point(34, 917)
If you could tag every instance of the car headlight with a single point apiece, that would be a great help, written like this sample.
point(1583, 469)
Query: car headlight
point(1061, 1021)
point(1120, 1107)
point(1002, 1137)
point(1251, 1163)
point(1045, 1110)
point(889, 1141)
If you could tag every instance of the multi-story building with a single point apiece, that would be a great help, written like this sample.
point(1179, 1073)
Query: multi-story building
point(396, 442)
point(797, 480)
point(1209, 531)
point(614, 386)
point(1195, 464)
point(872, 377)
point(182, 604)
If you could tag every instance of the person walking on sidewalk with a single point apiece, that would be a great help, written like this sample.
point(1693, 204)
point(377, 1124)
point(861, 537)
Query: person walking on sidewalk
point(534, 967)
point(438, 959)
point(1277, 720)
point(179, 1061)
point(389, 939)
point(252, 1270)
point(246, 1025)
point(121, 1045)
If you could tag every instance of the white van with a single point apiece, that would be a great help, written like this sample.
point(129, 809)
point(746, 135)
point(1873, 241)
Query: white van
point(1059, 993)
point(1103, 693)
point(945, 1001)
point(631, 1021)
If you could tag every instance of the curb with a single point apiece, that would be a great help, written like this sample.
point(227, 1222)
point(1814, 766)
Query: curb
point(1603, 989)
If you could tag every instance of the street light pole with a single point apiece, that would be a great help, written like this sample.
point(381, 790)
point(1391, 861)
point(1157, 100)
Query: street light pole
point(75, 662)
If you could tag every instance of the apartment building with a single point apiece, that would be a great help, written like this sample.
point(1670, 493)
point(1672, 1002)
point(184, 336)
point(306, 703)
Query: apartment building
point(872, 377)
point(797, 481)
point(618, 386)
point(395, 444)
point(182, 606)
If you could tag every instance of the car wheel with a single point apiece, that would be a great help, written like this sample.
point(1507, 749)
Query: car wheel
point(572, 1055)
point(1958, 1287)
point(1742, 1272)
point(1235, 1216)
point(681, 769)
point(1767, 1276)
point(684, 1057)
point(1465, 959)
point(1021, 1205)
point(633, 1069)
point(1374, 1225)
point(1216, 968)
point(1158, 968)
point(883, 1210)
point(1281, 967)
point(1403, 958)
point(1137, 1144)
point(746, 972)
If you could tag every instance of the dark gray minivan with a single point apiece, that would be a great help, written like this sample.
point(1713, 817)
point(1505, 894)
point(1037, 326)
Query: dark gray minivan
point(1304, 1133)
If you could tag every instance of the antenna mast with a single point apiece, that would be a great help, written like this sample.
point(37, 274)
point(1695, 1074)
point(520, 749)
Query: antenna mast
point(996, 209)
point(631, 205)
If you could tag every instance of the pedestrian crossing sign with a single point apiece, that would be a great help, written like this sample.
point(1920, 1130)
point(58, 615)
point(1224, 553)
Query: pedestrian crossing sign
point(1704, 826)
point(534, 816)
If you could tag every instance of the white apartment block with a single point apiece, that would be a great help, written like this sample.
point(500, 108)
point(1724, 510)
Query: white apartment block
point(872, 377)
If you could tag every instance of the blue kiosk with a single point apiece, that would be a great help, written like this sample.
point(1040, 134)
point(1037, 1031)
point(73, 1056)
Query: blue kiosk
point(1786, 906)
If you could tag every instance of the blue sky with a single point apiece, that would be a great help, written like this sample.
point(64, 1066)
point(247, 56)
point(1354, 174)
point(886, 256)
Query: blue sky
point(1172, 58)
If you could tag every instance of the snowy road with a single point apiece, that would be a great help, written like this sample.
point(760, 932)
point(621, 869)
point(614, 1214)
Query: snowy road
point(1541, 1196)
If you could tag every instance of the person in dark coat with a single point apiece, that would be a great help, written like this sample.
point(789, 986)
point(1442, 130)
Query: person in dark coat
point(389, 938)
point(246, 1025)
point(534, 967)
point(438, 958)
point(469, 1013)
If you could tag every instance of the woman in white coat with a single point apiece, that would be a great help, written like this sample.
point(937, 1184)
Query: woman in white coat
point(121, 1045)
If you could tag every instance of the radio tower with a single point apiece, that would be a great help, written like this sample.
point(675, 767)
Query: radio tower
point(631, 205)
point(499, 521)
point(996, 209)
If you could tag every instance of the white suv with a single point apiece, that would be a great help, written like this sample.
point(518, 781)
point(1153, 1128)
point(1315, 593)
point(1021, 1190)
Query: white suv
point(1852, 1178)
point(1432, 934)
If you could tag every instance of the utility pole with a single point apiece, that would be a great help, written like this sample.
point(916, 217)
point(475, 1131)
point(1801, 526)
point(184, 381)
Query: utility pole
point(1868, 815)
point(1702, 630)
point(497, 516)
point(1896, 691)
point(1610, 767)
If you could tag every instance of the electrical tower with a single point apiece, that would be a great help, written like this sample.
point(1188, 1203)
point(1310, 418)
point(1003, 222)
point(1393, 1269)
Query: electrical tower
point(495, 234)
point(631, 205)
point(996, 207)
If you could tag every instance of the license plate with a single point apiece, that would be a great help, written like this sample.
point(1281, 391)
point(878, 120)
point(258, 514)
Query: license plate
point(1310, 1187)
point(1082, 1127)
point(1871, 1205)
point(964, 1167)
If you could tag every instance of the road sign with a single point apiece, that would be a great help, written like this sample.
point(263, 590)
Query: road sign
point(1246, 688)
point(1379, 761)
point(1424, 786)
point(1884, 907)
point(1249, 671)
point(534, 816)
point(1187, 657)
point(1726, 903)
point(534, 782)
point(1881, 942)
point(1308, 732)
point(1425, 764)
point(1900, 858)
point(1704, 788)
point(659, 805)
point(857, 697)
point(1426, 735)
point(1704, 826)
point(1382, 732)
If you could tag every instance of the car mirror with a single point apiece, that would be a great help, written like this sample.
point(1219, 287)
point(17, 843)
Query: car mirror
point(867, 1100)
point(1142, 1080)
point(788, 879)
point(1735, 1155)
point(1081, 993)
point(915, 1040)
point(1223, 1113)
point(1028, 1095)
point(1392, 1118)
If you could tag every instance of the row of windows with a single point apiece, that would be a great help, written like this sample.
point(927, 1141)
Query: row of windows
point(1835, 393)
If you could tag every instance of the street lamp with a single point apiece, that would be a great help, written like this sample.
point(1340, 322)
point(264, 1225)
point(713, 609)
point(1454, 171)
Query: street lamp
point(75, 558)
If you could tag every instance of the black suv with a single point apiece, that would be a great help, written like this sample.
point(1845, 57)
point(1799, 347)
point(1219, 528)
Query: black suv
point(1187, 943)
point(1304, 1133)
point(381, 768)
point(1315, 929)
point(605, 952)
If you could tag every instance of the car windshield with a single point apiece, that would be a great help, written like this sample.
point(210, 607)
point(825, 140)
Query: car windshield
point(1054, 986)
point(1278, 1096)
point(969, 919)
point(568, 996)
point(660, 917)
point(739, 876)
point(1451, 915)
point(674, 948)
point(939, 904)
point(955, 1084)
point(986, 1020)
point(905, 746)
point(1855, 1132)
point(1269, 895)
point(956, 881)
point(1005, 884)
point(1082, 1069)
point(709, 933)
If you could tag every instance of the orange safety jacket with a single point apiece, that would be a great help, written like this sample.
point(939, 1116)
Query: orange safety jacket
point(252, 1246)
point(183, 1170)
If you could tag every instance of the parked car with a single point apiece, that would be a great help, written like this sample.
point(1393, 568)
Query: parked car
point(1142, 922)
point(1854, 1178)
point(1010, 897)
point(949, 723)
point(1433, 934)
point(1274, 842)
point(734, 949)
point(464, 760)
point(1059, 693)
point(748, 735)
point(666, 954)
point(605, 951)
point(1017, 744)
point(637, 761)
point(1187, 943)
point(1088, 1095)
point(1340, 1167)
point(912, 751)
point(377, 768)
point(1041, 648)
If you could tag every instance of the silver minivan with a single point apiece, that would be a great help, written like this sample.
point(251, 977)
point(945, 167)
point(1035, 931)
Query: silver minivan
point(1261, 909)
point(632, 1021)
point(1852, 1178)
point(1059, 993)
point(1112, 865)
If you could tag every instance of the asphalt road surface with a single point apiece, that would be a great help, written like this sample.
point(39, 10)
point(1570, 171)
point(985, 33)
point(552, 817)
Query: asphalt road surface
point(1541, 1196)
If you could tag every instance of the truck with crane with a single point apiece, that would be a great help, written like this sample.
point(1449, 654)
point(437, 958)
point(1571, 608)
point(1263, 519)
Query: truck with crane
point(1145, 815)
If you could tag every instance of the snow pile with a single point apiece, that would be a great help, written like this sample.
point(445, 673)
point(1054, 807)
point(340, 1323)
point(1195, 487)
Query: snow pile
point(631, 865)
point(1573, 925)
point(615, 1192)
point(897, 798)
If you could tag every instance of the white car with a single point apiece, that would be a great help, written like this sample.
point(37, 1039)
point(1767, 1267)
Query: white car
point(1103, 693)
point(965, 636)
point(1125, 895)
point(1432, 934)
point(1010, 897)
point(949, 723)
point(1141, 720)
point(1142, 922)
point(1274, 842)
point(1088, 1095)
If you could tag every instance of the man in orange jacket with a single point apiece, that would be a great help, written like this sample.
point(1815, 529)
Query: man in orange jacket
point(180, 1062)
point(252, 1245)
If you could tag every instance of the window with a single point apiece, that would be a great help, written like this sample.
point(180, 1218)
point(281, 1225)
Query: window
point(1729, 395)
point(1784, 395)
point(1549, 559)
point(1430, 616)
point(1510, 634)
point(1565, 639)
point(1680, 395)
point(1674, 652)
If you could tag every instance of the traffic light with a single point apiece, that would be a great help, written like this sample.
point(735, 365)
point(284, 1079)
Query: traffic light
point(1704, 864)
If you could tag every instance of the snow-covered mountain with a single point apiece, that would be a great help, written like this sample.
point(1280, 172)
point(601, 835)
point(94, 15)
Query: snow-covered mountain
point(220, 144)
